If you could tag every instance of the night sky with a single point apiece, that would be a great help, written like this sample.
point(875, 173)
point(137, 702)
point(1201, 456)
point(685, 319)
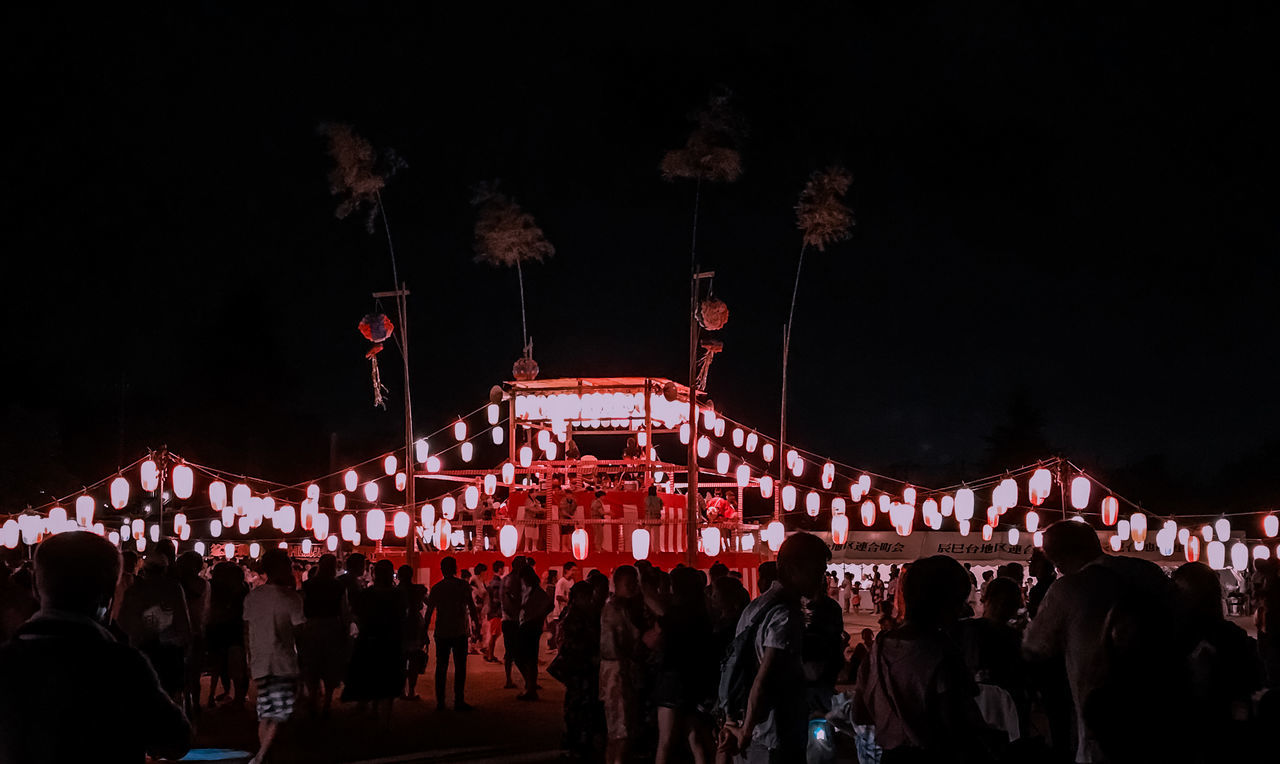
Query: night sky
point(1072, 203)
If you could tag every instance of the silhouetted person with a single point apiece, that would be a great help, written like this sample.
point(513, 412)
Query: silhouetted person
point(186, 571)
point(323, 641)
point(272, 614)
point(376, 673)
point(224, 632)
point(534, 609)
point(154, 615)
point(64, 665)
point(413, 642)
point(688, 669)
point(454, 608)
point(620, 630)
point(766, 574)
point(17, 603)
point(1045, 575)
point(577, 666)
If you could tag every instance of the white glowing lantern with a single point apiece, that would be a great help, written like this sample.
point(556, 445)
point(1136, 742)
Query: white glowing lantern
point(1183, 535)
point(286, 519)
point(777, 532)
point(469, 451)
point(868, 513)
point(185, 533)
point(828, 475)
point(400, 524)
point(1013, 536)
point(1038, 486)
point(1271, 526)
point(471, 497)
point(885, 503)
point(448, 507)
point(154, 531)
point(1216, 551)
point(719, 428)
point(443, 536)
point(986, 532)
point(57, 517)
point(350, 480)
point(579, 544)
point(753, 440)
point(459, 430)
point(347, 527)
point(1110, 510)
point(964, 504)
point(526, 456)
point(492, 412)
point(433, 464)
point(11, 534)
point(375, 524)
point(930, 507)
point(427, 518)
point(766, 451)
point(722, 462)
point(639, 544)
point(1222, 528)
point(711, 542)
point(838, 507)
point(244, 524)
point(947, 506)
point(797, 467)
point(812, 503)
point(1005, 494)
point(993, 516)
point(390, 464)
point(490, 484)
point(963, 525)
point(1037, 539)
point(320, 526)
point(1138, 528)
point(137, 528)
point(839, 529)
point(339, 501)
point(903, 517)
point(240, 496)
point(909, 496)
point(737, 437)
point(1116, 543)
point(421, 450)
point(508, 540)
point(508, 473)
point(119, 493)
point(747, 542)
point(1080, 487)
point(229, 551)
point(179, 520)
point(497, 435)
point(743, 476)
point(84, 511)
point(255, 550)
point(371, 491)
point(684, 433)
point(1123, 530)
point(149, 475)
point(766, 486)
point(229, 516)
point(215, 528)
point(1261, 552)
point(331, 543)
point(1033, 521)
point(183, 481)
point(788, 497)
point(704, 447)
point(1239, 556)
point(217, 495)
point(1206, 532)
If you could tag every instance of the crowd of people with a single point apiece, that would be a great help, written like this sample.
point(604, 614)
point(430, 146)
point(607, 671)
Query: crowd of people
point(1091, 658)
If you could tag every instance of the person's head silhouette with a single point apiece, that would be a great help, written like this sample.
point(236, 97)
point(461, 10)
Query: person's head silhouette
point(77, 573)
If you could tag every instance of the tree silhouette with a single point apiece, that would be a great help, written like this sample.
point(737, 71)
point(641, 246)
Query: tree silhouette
point(359, 173)
point(507, 236)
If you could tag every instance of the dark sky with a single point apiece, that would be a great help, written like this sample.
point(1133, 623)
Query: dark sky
point(1075, 200)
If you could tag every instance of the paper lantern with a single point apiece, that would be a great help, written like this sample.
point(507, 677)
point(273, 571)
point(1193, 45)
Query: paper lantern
point(718, 429)
point(1033, 521)
point(471, 496)
point(371, 491)
point(797, 466)
point(947, 506)
point(443, 536)
point(704, 447)
point(839, 529)
point(1138, 528)
point(903, 517)
point(154, 531)
point(766, 486)
point(509, 540)
point(1123, 530)
point(828, 475)
point(1206, 533)
point(215, 528)
point(885, 503)
point(747, 542)
point(339, 501)
point(137, 528)
point(331, 543)
point(286, 520)
point(421, 450)
point(389, 464)
point(578, 543)
point(347, 527)
point(1039, 485)
point(57, 517)
point(743, 476)
point(183, 481)
point(1013, 536)
point(149, 475)
point(964, 504)
point(1222, 528)
point(1183, 535)
point(10, 534)
point(427, 518)
point(777, 533)
point(1110, 510)
point(526, 456)
point(490, 484)
point(509, 472)
point(1239, 556)
point(993, 516)
point(185, 533)
point(986, 532)
point(229, 516)
point(737, 437)
point(963, 525)
point(240, 496)
point(868, 513)
point(1261, 552)
point(909, 496)
point(229, 551)
point(119, 493)
point(684, 433)
point(1037, 539)
point(1271, 526)
point(1080, 487)
point(1005, 494)
point(350, 480)
point(722, 462)
point(448, 507)
point(320, 526)
point(1116, 543)
point(788, 497)
point(751, 442)
point(1216, 552)
point(244, 524)
point(469, 451)
point(402, 480)
point(812, 503)
point(497, 435)
point(179, 520)
point(400, 524)
point(217, 495)
point(766, 451)
point(255, 550)
point(491, 413)
point(84, 511)
point(837, 506)
point(711, 542)
point(459, 430)
point(375, 524)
